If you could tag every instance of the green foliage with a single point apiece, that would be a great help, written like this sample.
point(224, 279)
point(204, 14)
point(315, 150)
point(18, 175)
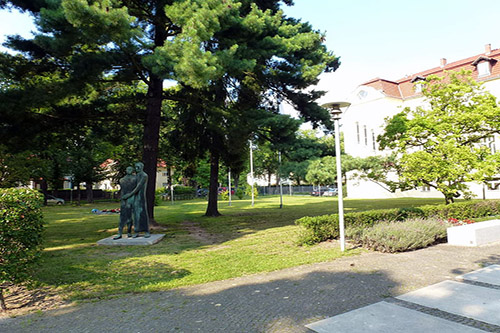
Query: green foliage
point(399, 236)
point(444, 144)
point(322, 171)
point(184, 190)
point(248, 191)
point(224, 195)
point(158, 194)
point(316, 229)
point(239, 193)
point(21, 227)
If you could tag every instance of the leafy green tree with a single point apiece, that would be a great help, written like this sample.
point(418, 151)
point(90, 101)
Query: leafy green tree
point(322, 171)
point(439, 144)
point(299, 153)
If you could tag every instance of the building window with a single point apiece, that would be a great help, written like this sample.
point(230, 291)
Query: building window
point(373, 141)
point(418, 83)
point(164, 184)
point(483, 68)
point(362, 94)
point(366, 135)
point(164, 174)
point(357, 133)
point(426, 188)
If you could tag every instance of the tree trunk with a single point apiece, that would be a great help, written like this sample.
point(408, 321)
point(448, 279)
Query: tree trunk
point(79, 193)
point(3, 307)
point(269, 182)
point(44, 187)
point(90, 193)
point(151, 141)
point(212, 209)
point(236, 179)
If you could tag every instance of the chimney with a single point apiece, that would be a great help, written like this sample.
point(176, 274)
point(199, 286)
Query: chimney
point(443, 62)
point(487, 49)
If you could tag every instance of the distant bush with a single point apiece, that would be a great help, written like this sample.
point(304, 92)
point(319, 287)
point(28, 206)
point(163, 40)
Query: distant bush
point(248, 191)
point(224, 195)
point(316, 229)
point(398, 236)
point(239, 193)
point(184, 190)
point(21, 227)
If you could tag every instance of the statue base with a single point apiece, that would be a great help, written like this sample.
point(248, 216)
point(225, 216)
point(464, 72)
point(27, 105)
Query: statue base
point(155, 238)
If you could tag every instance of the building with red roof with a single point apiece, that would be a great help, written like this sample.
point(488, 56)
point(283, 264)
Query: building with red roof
point(374, 101)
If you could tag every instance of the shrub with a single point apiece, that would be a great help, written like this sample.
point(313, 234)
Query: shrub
point(158, 194)
point(239, 193)
point(248, 191)
point(21, 227)
point(397, 236)
point(318, 228)
point(224, 195)
point(463, 210)
point(184, 190)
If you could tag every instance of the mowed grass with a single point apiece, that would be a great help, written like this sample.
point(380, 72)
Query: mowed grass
point(245, 240)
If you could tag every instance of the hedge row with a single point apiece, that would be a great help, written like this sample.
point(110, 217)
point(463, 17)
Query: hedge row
point(21, 227)
point(320, 228)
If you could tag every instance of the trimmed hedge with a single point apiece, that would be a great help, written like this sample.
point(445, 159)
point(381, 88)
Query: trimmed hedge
point(320, 228)
point(21, 227)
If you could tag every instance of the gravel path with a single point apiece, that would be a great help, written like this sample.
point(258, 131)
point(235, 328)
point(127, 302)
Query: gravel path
point(281, 301)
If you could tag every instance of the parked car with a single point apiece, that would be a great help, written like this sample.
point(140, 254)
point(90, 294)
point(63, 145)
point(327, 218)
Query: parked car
point(201, 192)
point(52, 200)
point(316, 193)
point(330, 192)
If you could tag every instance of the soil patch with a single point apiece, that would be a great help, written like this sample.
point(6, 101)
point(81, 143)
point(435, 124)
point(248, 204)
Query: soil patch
point(199, 233)
point(21, 300)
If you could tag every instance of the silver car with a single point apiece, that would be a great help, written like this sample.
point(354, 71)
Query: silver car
point(52, 200)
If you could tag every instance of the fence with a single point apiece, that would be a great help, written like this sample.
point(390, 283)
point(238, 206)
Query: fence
point(274, 190)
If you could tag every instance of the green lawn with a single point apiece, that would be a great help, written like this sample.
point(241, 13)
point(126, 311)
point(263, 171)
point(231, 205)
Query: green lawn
point(244, 240)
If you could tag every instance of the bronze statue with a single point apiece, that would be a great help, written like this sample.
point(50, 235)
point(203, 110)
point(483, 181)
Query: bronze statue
point(136, 196)
point(127, 185)
point(140, 211)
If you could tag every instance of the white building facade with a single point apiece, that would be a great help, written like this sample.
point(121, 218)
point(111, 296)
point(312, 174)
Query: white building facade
point(375, 100)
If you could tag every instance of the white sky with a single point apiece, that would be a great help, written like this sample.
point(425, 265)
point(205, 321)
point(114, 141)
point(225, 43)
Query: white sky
point(377, 38)
point(393, 38)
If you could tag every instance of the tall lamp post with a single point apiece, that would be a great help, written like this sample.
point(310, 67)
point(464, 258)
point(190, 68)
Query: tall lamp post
point(336, 109)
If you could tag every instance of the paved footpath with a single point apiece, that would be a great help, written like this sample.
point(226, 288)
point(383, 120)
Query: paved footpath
point(281, 301)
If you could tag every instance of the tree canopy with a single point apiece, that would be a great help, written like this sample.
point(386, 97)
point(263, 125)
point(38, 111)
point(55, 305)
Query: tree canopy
point(441, 144)
point(233, 62)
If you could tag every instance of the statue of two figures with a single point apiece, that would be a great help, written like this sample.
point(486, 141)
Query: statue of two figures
point(133, 202)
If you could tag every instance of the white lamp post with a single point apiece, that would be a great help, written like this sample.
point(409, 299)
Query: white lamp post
point(251, 171)
point(335, 109)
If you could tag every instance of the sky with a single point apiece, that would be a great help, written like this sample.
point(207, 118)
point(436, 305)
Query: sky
point(393, 38)
point(377, 38)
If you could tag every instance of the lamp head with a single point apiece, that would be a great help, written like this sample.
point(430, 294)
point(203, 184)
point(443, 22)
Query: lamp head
point(335, 108)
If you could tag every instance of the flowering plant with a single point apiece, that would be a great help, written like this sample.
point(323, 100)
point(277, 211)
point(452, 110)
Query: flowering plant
point(455, 222)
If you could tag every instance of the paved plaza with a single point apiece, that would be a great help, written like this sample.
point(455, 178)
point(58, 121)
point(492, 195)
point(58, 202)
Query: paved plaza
point(407, 288)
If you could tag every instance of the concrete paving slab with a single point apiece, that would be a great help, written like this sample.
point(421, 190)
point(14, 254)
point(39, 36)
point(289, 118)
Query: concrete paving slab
point(387, 317)
point(155, 238)
point(462, 299)
point(490, 274)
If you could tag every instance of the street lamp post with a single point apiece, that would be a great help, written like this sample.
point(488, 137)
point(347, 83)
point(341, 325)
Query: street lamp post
point(335, 109)
point(251, 171)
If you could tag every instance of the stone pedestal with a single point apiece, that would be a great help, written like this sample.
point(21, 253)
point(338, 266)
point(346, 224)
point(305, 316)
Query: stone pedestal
point(155, 238)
